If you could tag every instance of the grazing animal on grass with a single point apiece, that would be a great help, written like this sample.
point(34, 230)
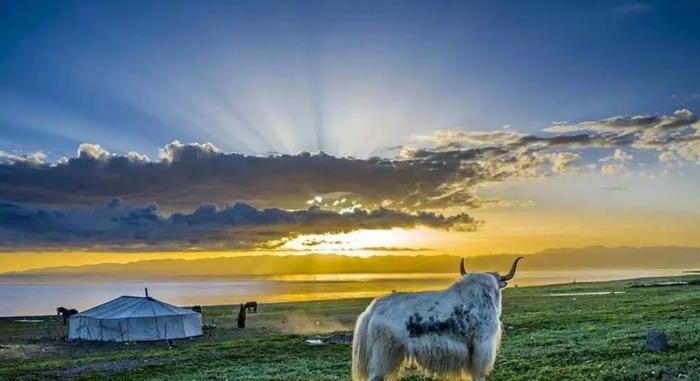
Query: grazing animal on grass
point(197, 309)
point(252, 307)
point(66, 313)
point(453, 333)
point(241, 316)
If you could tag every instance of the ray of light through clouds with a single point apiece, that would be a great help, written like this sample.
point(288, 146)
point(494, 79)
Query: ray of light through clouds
point(305, 126)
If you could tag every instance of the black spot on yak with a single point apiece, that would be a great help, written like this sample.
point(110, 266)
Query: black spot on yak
point(486, 298)
point(457, 323)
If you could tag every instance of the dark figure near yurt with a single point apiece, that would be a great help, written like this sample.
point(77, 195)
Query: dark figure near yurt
point(197, 309)
point(241, 316)
point(252, 307)
point(66, 313)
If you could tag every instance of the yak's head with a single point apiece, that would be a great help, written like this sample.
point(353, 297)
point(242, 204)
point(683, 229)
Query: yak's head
point(502, 280)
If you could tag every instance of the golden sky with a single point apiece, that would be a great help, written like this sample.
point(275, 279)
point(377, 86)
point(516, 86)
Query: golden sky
point(523, 230)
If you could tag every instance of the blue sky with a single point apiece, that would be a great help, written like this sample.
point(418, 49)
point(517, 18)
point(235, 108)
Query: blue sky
point(348, 78)
point(506, 126)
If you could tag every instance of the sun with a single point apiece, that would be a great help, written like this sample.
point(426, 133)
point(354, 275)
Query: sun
point(361, 242)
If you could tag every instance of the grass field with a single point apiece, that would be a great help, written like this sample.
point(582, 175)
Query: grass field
point(570, 337)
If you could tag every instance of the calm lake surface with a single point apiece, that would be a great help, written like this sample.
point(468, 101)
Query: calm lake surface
point(24, 295)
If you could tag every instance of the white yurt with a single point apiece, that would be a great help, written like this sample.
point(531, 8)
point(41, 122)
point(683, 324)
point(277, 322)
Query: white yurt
point(135, 318)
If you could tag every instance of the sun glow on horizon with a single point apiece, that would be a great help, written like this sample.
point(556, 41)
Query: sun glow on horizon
point(363, 242)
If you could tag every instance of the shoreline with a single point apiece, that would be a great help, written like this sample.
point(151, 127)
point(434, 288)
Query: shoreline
point(684, 274)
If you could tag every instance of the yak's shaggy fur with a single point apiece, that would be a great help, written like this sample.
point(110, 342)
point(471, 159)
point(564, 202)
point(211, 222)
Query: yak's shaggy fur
point(453, 333)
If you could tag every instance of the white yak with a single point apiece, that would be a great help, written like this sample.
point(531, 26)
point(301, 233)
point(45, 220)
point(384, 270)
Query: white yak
point(453, 333)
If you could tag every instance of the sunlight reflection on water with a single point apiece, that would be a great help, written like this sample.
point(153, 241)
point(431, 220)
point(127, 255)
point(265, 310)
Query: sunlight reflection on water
point(588, 293)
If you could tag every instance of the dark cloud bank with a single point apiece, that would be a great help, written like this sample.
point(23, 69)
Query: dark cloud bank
point(115, 226)
point(63, 204)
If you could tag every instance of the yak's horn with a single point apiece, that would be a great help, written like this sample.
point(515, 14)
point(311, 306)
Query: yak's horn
point(461, 268)
point(511, 274)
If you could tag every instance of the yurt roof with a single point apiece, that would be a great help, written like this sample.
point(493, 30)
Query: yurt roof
point(134, 307)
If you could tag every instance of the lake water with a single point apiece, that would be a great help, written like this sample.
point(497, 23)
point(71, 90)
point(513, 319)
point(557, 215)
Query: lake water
point(25, 295)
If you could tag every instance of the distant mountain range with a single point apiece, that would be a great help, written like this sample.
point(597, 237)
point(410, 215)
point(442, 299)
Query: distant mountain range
point(594, 257)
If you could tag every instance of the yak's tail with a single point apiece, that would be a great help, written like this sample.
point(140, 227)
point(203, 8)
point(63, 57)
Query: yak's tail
point(360, 346)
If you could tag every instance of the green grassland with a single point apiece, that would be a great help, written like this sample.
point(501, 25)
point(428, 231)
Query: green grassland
point(574, 337)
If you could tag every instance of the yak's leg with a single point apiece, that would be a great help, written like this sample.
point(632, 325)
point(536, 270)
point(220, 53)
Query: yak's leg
point(378, 367)
point(482, 360)
point(385, 364)
point(381, 367)
point(387, 356)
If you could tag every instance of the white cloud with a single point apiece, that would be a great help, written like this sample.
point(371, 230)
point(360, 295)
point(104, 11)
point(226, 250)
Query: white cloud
point(666, 157)
point(36, 158)
point(137, 157)
point(177, 151)
point(610, 169)
point(621, 155)
point(93, 151)
point(562, 162)
point(680, 119)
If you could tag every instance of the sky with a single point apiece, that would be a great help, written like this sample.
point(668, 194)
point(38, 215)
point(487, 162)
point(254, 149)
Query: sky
point(143, 129)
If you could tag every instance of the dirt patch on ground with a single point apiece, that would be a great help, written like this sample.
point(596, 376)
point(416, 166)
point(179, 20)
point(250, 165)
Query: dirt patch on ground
point(26, 351)
point(108, 367)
